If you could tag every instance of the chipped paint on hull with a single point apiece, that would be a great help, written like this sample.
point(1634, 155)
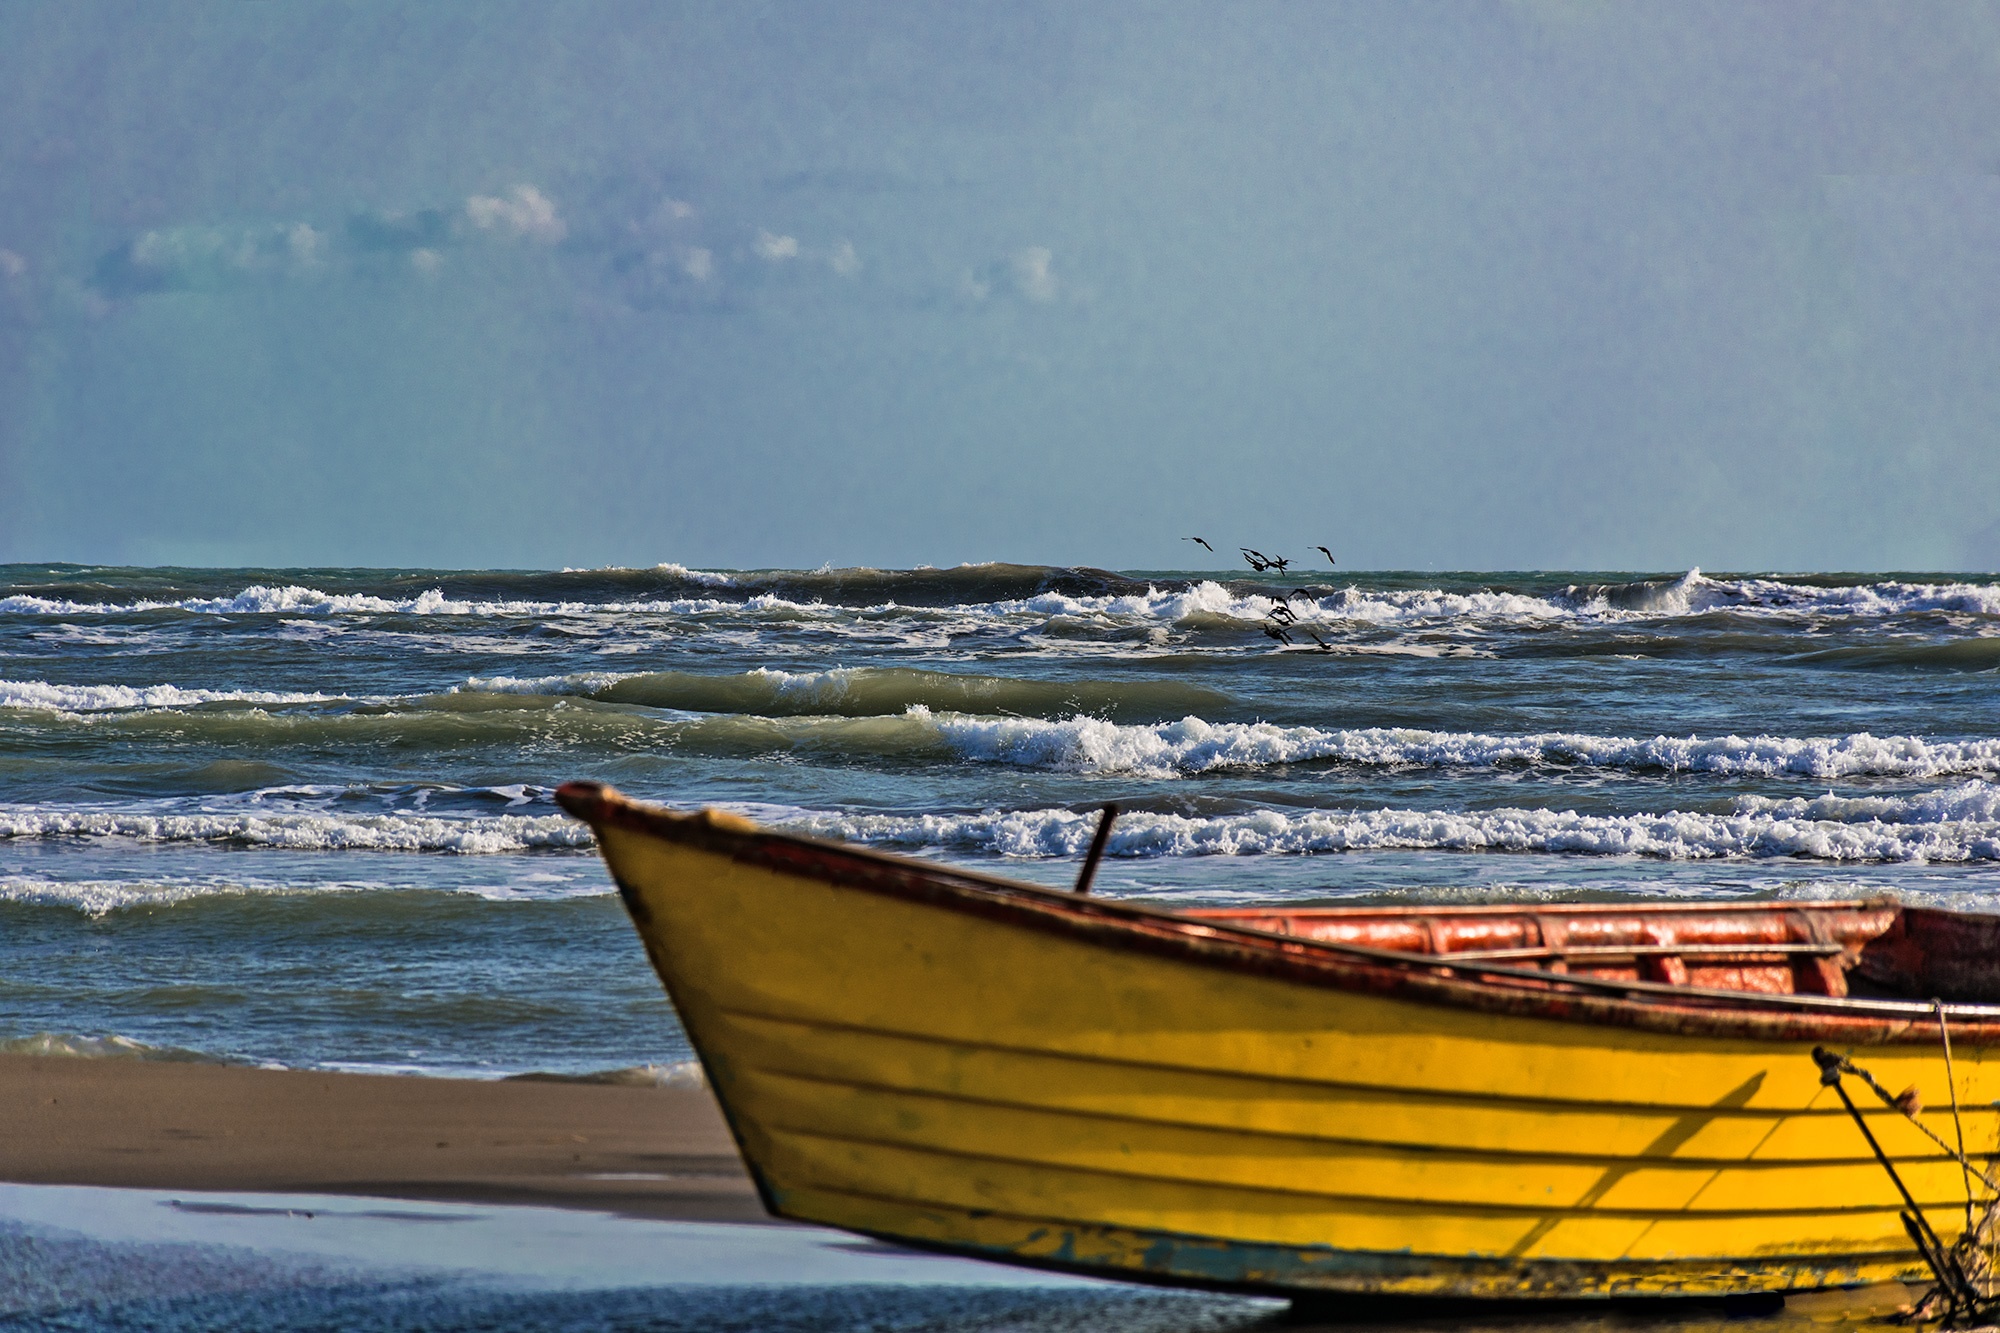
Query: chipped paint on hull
point(968, 1064)
point(1229, 1265)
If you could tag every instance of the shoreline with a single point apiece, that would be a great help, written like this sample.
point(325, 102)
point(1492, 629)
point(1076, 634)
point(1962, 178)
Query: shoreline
point(662, 1153)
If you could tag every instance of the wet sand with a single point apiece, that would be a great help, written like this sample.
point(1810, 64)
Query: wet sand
point(662, 1155)
point(639, 1151)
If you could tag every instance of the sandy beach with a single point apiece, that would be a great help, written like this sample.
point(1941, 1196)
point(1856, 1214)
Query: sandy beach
point(639, 1151)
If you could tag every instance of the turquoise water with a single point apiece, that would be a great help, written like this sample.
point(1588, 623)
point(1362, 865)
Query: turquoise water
point(302, 817)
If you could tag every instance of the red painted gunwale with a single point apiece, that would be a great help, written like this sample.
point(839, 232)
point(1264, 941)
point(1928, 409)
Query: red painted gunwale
point(1409, 952)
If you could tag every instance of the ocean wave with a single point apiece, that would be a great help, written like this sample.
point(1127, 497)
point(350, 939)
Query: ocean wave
point(1009, 593)
point(296, 600)
point(1207, 601)
point(101, 897)
point(959, 585)
point(1092, 745)
point(1964, 803)
point(38, 694)
point(1954, 824)
point(112, 1047)
point(700, 578)
point(864, 692)
point(1695, 593)
point(1958, 826)
point(679, 1074)
point(873, 715)
point(306, 831)
point(1981, 653)
point(98, 898)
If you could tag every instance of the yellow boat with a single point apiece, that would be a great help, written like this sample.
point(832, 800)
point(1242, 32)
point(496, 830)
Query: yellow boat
point(1496, 1102)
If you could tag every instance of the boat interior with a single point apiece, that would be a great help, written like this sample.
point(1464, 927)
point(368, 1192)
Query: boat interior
point(1878, 949)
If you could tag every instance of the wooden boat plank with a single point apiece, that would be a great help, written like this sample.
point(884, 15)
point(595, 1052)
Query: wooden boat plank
point(1650, 1185)
point(1380, 1113)
point(1051, 1195)
point(959, 1060)
point(1190, 1260)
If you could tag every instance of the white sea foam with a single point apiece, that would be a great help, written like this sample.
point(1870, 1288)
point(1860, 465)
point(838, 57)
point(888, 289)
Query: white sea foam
point(582, 683)
point(100, 897)
point(1955, 824)
point(296, 600)
point(306, 832)
point(705, 578)
point(804, 687)
point(1694, 593)
point(1962, 825)
point(112, 1047)
point(40, 694)
point(1085, 744)
point(679, 1074)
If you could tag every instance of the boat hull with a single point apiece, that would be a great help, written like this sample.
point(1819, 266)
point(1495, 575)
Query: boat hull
point(904, 1053)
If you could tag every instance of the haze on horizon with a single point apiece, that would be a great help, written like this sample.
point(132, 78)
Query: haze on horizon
point(1544, 284)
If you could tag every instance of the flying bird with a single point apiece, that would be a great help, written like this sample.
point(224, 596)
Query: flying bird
point(1283, 614)
point(1202, 544)
point(1328, 554)
point(1324, 646)
point(1261, 562)
point(1277, 632)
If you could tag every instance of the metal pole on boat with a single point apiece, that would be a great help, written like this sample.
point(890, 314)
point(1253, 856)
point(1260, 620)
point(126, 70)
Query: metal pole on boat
point(1096, 852)
point(1951, 1279)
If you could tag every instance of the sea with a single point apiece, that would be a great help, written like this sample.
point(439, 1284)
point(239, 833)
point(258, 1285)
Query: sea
point(304, 817)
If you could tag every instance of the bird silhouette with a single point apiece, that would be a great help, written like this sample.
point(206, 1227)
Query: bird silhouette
point(1324, 646)
point(1328, 554)
point(1283, 614)
point(1278, 632)
point(1261, 562)
point(1202, 544)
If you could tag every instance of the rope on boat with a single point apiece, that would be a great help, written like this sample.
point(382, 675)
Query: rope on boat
point(1967, 1266)
point(1846, 1066)
point(1957, 1125)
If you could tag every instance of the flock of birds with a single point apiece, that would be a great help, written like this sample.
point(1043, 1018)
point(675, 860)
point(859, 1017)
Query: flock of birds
point(1283, 620)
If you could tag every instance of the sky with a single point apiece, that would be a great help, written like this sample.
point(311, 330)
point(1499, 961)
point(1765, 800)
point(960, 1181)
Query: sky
point(1547, 284)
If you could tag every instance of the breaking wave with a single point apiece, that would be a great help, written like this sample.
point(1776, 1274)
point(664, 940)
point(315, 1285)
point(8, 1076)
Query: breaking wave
point(911, 716)
point(864, 692)
point(1085, 744)
point(1959, 825)
point(113, 1047)
point(1955, 824)
point(307, 832)
point(303, 601)
point(39, 694)
point(997, 590)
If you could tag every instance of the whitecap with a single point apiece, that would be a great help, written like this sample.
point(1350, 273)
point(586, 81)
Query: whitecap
point(307, 832)
point(1192, 745)
point(40, 694)
point(1904, 833)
